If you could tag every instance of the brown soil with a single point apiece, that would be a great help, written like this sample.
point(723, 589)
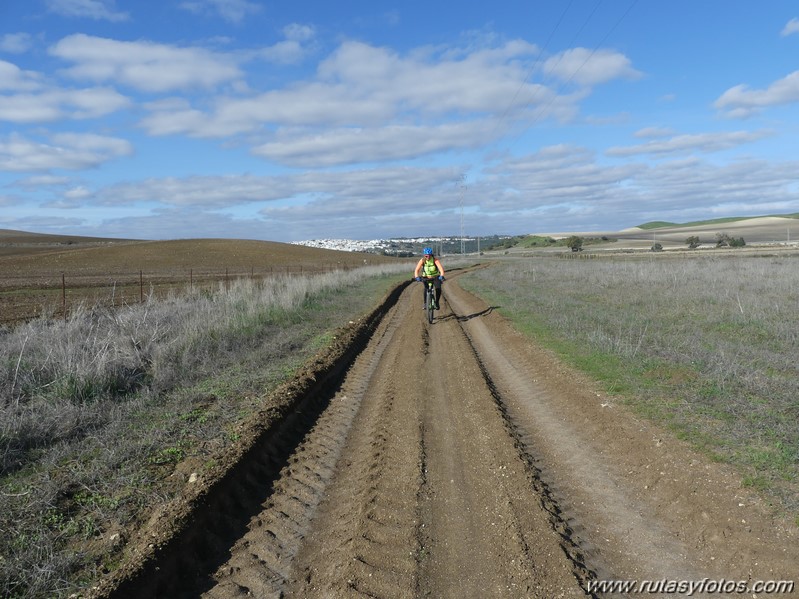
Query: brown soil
point(42, 274)
point(454, 460)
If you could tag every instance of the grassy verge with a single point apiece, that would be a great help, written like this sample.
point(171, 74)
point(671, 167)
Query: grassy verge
point(702, 345)
point(106, 415)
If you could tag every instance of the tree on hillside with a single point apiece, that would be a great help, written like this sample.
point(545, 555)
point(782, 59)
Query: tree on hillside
point(693, 242)
point(574, 242)
point(725, 240)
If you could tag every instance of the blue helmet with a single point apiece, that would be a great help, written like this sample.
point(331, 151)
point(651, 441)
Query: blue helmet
point(427, 251)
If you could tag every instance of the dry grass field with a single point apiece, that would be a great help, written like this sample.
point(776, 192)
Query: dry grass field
point(100, 409)
point(108, 415)
point(703, 342)
point(43, 274)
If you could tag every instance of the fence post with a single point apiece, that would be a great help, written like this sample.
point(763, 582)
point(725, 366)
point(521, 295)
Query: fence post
point(141, 288)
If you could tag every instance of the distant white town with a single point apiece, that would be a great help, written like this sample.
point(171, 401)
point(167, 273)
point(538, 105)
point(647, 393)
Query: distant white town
point(388, 246)
point(347, 245)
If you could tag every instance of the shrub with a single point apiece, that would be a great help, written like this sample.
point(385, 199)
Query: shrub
point(725, 240)
point(575, 243)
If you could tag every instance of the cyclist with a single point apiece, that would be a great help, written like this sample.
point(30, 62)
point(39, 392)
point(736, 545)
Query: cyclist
point(430, 266)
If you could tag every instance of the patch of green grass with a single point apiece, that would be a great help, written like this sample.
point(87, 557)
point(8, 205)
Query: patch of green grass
point(534, 241)
point(657, 224)
point(167, 455)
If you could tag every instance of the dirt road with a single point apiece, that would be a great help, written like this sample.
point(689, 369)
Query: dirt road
point(459, 460)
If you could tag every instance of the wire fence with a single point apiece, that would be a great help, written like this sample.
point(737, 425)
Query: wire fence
point(23, 298)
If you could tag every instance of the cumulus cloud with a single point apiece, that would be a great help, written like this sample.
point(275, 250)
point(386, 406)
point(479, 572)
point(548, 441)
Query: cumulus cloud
point(233, 11)
point(362, 85)
point(12, 78)
point(99, 10)
point(146, 66)
point(69, 151)
point(742, 102)
point(590, 68)
point(369, 103)
point(53, 104)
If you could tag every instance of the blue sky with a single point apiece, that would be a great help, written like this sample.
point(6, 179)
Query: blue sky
point(316, 119)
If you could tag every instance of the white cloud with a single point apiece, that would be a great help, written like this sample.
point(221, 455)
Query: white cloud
point(145, 66)
point(377, 103)
point(12, 78)
point(381, 185)
point(298, 32)
point(77, 193)
point(701, 142)
point(551, 176)
point(791, 27)
point(590, 68)
point(285, 52)
point(70, 151)
point(54, 104)
point(15, 43)
point(648, 132)
point(742, 102)
point(300, 148)
point(42, 181)
point(233, 11)
point(99, 10)
point(292, 50)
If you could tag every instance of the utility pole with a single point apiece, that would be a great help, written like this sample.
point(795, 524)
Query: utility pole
point(462, 193)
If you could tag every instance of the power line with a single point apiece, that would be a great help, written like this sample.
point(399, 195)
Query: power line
point(531, 69)
point(578, 69)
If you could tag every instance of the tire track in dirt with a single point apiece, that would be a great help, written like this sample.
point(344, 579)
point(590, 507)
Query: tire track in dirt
point(178, 550)
point(638, 504)
point(428, 498)
point(364, 542)
point(432, 498)
point(261, 560)
point(459, 460)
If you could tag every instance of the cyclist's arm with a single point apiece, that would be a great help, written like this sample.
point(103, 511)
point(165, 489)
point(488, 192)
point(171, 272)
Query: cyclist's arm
point(440, 268)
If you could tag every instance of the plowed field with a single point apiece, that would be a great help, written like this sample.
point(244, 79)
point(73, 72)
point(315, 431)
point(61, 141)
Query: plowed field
point(459, 460)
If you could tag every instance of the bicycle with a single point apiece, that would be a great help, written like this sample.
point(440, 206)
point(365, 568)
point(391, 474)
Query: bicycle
point(430, 297)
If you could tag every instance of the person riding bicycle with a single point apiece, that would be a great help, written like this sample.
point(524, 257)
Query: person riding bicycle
point(429, 266)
